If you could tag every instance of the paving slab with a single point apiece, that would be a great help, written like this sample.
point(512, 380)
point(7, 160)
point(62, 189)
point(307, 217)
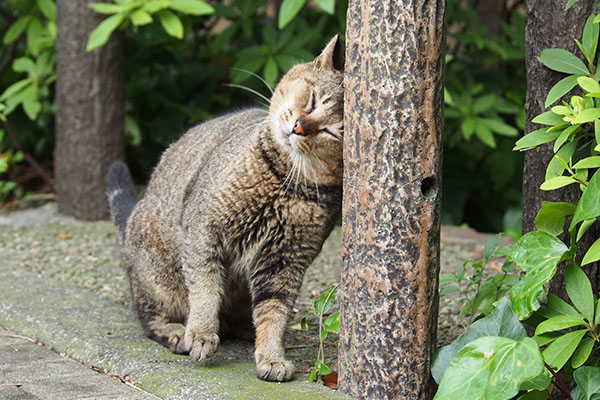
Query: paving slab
point(31, 371)
point(107, 334)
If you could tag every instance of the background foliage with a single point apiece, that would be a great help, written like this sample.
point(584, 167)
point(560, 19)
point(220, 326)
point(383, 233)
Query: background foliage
point(181, 73)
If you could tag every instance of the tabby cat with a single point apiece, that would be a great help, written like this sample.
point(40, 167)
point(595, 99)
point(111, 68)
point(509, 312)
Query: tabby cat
point(233, 215)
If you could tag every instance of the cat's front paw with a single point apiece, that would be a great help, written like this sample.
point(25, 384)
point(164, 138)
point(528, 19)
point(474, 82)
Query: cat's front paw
point(275, 370)
point(201, 344)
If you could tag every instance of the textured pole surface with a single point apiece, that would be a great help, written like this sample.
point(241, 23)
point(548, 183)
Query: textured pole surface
point(90, 99)
point(392, 160)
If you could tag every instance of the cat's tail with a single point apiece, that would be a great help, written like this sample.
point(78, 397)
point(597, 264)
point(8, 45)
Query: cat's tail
point(121, 194)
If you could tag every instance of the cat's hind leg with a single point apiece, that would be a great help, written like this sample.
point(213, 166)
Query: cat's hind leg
point(161, 313)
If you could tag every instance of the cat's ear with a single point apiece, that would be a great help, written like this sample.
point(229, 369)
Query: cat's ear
point(332, 56)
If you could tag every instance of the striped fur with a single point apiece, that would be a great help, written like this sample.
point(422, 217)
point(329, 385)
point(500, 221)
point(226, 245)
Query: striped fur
point(233, 215)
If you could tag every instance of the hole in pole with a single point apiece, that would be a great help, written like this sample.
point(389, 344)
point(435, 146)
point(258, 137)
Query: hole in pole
point(428, 187)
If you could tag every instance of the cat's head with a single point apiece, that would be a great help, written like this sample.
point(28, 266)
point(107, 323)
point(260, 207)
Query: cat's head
point(306, 112)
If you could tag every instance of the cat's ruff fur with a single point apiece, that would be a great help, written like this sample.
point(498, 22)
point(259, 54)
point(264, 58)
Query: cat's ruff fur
point(233, 215)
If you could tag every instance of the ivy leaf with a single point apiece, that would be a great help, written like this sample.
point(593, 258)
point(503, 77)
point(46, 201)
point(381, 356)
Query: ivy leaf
point(552, 217)
point(491, 368)
point(536, 253)
point(588, 380)
point(500, 322)
point(589, 203)
point(562, 60)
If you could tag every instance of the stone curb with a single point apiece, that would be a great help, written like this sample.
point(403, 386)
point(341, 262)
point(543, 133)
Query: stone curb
point(100, 332)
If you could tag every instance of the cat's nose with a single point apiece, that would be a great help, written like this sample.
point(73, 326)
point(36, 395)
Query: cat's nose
point(299, 127)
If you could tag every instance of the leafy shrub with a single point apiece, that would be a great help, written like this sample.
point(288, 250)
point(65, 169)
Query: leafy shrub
point(495, 359)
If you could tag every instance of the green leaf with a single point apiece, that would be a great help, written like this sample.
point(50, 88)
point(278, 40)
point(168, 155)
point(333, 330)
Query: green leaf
point(133, 134)
point(289, 9)
point(565, 135)
point(140, 17)
point(322, 368)
point(499, 126)
point(560, 89)
point(154, 6)
point(588, 84)
point(24, 64)
point(588, 162)
point(593, 253)
point(544, 339)
point(536, 253)
point(535, 138)
point(500, 322)
point(16, 29)
point(588, 380)
point(589, 203)
point(570, 4)
point(548, 118)
point(556, 306)
point(35, 36)
point(109, 8)
point(485, 135)
point(468, 127)
point(100, 35)
point(270, 73)
point(171, 23)
point(558, 323)
point(192, 7)
point(556, 167)
point(552, 217)
point(582, 353)
point(31, 103)
point(562, 60)
point(491, 245)
point(327, 5)
point(325, 302)
point(483, 103)
point(590, 37)
point(557, 182)
point(586, 115)
point(491, 368)
point(558, 352)
point(332, 323)
point(48, 8)
point(15, 88)
point(585, 225)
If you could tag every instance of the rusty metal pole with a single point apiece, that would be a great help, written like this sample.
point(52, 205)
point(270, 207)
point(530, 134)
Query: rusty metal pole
point(391, 208)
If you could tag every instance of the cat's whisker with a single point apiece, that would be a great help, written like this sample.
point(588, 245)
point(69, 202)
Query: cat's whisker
point(262, 96)
point(256, 76)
